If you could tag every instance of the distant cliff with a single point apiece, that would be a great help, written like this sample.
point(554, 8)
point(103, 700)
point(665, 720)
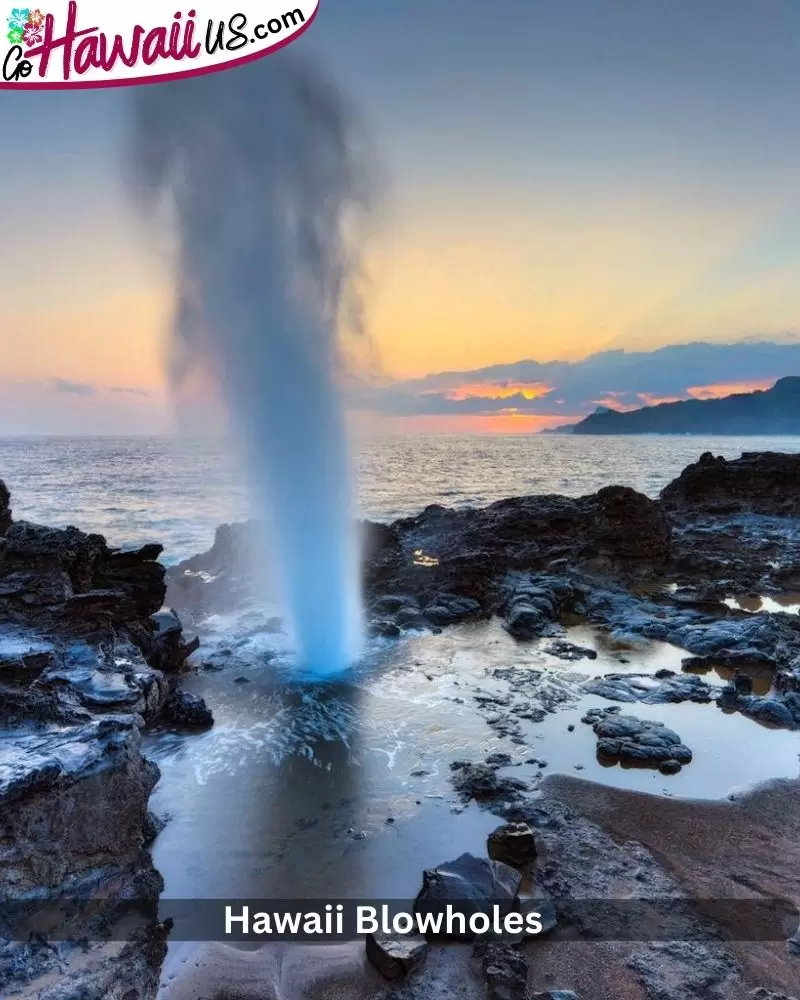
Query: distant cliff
point(774, 411)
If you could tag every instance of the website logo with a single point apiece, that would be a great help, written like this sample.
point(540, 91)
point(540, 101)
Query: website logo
point(94, 43)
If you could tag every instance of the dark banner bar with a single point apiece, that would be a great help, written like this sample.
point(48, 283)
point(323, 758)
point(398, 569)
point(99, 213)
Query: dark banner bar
point(329, 921)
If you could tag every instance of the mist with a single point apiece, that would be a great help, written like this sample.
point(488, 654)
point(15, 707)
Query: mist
point(260, 172)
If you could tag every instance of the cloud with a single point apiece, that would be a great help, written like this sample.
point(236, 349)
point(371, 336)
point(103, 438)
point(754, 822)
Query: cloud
point(131, 390)
point(617, 379)
point(75, 388)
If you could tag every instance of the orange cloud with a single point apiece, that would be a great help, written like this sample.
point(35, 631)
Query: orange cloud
point(499, 390)
point(722, 389)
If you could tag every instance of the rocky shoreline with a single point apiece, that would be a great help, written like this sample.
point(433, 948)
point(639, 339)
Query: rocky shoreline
point(90, 658)
point(87, 660)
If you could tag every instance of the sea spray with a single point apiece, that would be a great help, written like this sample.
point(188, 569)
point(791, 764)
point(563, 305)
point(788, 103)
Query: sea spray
point(261, 172)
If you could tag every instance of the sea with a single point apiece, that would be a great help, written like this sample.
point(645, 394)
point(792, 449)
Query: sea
point(177, 491)
point(356, 776)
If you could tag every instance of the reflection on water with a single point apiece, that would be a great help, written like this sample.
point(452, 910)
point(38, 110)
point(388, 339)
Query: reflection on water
point(344, 790)
point(761, 676)
point(786, 603)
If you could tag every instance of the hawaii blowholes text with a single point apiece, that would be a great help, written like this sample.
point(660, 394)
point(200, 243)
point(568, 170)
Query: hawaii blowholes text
point(445, 922)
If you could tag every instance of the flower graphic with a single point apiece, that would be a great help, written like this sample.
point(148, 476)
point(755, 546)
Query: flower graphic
point(19, 18)
point(36, 18)
point(15, 36)
point(33, 34)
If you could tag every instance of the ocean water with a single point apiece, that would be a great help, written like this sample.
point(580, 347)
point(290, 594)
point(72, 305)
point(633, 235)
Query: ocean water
point(176, 492)
point(357, 775)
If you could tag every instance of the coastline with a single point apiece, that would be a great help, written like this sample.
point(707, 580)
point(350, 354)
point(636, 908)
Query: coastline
point(98, 659)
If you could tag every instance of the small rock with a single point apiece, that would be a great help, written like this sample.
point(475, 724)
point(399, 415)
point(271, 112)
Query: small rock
point(514, 844)
point(498, 759)
point(384, 628)
point(670, 766)
point(185, 709)
point(627, 738)
point(568, 651)
point(396, 957)
point(482, 782)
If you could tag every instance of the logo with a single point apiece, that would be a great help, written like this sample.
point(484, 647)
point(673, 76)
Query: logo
point(94, 43)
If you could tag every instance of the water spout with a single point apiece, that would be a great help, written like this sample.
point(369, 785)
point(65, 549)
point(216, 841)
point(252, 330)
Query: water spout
point(261, 176)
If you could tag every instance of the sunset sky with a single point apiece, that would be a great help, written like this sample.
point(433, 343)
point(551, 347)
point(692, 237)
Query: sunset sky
point(561, 178)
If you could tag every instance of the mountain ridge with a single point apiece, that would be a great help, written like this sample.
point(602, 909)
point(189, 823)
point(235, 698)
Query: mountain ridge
point(768, 411)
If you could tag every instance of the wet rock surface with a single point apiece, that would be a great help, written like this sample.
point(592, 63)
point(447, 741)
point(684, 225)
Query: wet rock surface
point(758, 482)
point(100, 650)
point(396, 957)
point(482, 782)
point(641, 741)
point(85, 659)
point(506, 971)
point(471, 885)
point(73, 799)
point(187, 710)
point(514, 844)
point(650, 690)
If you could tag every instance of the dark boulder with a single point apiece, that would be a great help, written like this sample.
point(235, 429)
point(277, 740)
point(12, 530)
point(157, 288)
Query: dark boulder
point(5, 508)
point(636, 741)
point(187, 711)
point(758, 483)
point(569, 651)
point(514, 844)
point(394, 956)
point(671, 689)
point(483, 783)
point(381, 552)
point(469, 885)
point(780, 712)
point(166, 647)
point(71, 801)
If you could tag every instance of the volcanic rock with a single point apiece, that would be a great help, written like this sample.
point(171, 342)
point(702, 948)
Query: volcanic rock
point(187, 711)
point(514, 844)
point(470, 885)
point(782, 712)
point(72, 799)
point(758, 482)
point(649, 690)
point(395, 956)
point(482, 782)
point(627, 738)
point(5, 508)
point(506, 971)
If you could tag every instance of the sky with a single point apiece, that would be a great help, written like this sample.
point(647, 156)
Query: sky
point(559, 179)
